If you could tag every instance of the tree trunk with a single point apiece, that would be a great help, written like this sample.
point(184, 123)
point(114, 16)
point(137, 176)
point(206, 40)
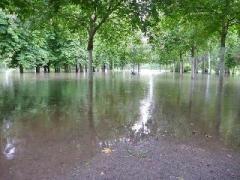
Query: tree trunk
point(173, 68)
point(37, 69)
point(104, 67)
point(111, 65)
point(21, 68)
point(57, 69)
point(222, 50)
point(86, 67)
point(90, 53)
point(90, 66)
point(138, 67)
point(221, 61)
point(193, 63)
point(181, 68)
point(209, 63)
point(227, 71)
point(66, 68)
point(81, 67)
point(45, 69)
point(133, 69)
point(203, 65)
point(181, 64)
point(76, 68)
point(196, 65)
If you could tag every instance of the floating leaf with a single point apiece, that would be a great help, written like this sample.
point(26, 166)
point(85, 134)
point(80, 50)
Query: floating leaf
point(107, 150)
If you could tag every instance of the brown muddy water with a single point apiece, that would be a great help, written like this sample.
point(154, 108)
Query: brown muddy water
point(51, 122)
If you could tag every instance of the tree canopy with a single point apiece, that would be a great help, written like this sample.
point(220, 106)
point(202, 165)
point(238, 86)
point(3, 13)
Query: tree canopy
point(112, 34)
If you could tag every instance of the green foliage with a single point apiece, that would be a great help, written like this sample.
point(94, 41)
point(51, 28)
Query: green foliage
point(10, 33)
point(58, 33)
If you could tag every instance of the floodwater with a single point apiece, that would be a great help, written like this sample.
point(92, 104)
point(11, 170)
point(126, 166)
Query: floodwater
point(50, 122)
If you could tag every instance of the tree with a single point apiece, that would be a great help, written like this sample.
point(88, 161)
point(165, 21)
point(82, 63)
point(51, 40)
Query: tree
point(10, 32)
point(217, 17)
point(92, 16)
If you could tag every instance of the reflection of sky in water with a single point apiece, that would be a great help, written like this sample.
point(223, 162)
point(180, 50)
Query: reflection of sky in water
point(7, 80)
point(9, 149)
point(111, 142)
point(145, 111)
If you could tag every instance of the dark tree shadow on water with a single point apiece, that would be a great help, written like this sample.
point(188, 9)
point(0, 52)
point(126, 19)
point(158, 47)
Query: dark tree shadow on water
point(92, 129)
point(219, 105)
point(191, 92)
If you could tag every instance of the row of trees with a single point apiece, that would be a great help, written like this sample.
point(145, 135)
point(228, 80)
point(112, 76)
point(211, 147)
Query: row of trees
point(64, 34)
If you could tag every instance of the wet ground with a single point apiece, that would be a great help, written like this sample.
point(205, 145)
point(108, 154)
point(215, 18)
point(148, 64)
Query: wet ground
point(153, 126)
point(160, 159)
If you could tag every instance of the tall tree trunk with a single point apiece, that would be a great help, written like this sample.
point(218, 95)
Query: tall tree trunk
point(222, 50)
point(193, 62)
point(221, 62)
point(138, 67)
point(21, 68)
point(181, 64)
point(90, 53)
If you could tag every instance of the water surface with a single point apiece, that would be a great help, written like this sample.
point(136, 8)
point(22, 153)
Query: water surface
point(49, 122)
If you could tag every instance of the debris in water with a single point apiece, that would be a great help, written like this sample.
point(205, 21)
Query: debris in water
point(208, 136)
point(107, 150)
